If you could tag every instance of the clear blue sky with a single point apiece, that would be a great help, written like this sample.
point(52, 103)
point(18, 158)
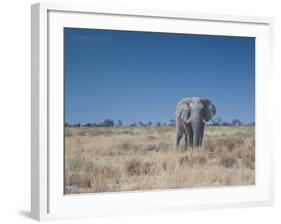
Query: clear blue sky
point(140, 76)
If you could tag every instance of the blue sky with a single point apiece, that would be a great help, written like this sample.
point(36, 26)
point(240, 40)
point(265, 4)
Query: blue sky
point(140, 76)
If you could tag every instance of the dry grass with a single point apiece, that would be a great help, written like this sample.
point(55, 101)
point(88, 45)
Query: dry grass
point(127, 159)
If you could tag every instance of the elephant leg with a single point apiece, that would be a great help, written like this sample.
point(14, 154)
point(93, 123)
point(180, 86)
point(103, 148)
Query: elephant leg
point(188, 136)
point(178, 137)
point(185, 142)
point(201, 138)
point(200, 141)
point(196, 141)
point(190, 141)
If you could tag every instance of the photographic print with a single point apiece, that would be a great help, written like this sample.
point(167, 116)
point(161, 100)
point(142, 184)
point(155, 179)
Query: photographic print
point(150, 111)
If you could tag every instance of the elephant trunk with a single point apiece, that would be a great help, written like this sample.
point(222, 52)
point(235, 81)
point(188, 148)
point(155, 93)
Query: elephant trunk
point(197, 125)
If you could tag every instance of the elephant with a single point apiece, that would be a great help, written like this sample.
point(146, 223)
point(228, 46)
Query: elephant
point(192, 114)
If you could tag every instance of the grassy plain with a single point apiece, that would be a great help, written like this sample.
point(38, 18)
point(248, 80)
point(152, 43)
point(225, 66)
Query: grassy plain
point(143, 158)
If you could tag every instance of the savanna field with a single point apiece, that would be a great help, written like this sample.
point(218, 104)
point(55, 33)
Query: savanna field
point(99, 159)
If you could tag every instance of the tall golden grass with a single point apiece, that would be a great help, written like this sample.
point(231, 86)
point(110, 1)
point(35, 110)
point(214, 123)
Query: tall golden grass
point(143, 158)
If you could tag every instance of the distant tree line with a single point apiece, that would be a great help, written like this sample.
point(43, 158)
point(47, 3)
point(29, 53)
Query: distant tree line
point(110, 123)
point(235, 122)
point(105, 123)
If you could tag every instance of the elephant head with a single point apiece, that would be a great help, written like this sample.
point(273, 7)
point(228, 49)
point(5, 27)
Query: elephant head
point(191, 116)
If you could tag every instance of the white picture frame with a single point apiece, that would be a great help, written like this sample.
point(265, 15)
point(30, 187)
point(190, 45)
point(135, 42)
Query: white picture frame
point(47, 198)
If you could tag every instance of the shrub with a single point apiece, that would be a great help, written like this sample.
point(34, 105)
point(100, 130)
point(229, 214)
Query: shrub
point(230, 146)
point(136, 167)
point(151, 147)
point(133, 167)
point(248, 161)
point(198, 160)
point(147, 167)
point(184, 160)
point(164, 165)
point(209, 146)
point(78, 179)
point(228, 161)
point(68, 132)
point(106, 171)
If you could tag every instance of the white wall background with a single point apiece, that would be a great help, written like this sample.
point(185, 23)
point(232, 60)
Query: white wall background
point(15, 110)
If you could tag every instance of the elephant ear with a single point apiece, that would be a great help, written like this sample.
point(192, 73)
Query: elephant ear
point(209, 109)
point(184, 101)
point(184, 112)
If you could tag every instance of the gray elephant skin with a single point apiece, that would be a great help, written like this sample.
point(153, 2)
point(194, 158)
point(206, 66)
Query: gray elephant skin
point(192, 114)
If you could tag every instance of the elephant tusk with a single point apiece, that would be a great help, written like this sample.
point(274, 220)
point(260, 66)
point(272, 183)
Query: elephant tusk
point(188, 121)
point(205, 122)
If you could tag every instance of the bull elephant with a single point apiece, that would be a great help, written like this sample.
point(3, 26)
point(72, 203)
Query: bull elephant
point(191, 116)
